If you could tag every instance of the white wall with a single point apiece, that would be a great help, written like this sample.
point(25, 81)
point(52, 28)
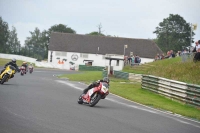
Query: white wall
point(17, 57)
point(98, 60)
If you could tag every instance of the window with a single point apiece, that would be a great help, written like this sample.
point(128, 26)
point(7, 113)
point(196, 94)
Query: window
point(57, 53)
point(61, 53)
point(84, 55)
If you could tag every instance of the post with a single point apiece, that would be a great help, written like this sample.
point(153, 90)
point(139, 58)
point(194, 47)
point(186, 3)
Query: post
point(191, 35)
point(125, 46)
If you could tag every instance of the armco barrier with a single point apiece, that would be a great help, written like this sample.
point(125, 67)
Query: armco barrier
point(90, 68)
point(119, 74)
point(181, 91)
point(104, 73)
point(130, 76)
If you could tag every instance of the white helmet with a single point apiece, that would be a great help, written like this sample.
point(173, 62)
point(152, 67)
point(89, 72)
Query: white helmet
point(14, 61)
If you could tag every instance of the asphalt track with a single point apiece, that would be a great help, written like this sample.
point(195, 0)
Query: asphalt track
point(42, 103)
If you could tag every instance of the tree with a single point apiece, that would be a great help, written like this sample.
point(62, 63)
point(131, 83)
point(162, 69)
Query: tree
point(173, 33)
point(4, 34)
point(13, 42)
point(35, 44)
point(61, 28)
point(95, 33)
point(99, 33)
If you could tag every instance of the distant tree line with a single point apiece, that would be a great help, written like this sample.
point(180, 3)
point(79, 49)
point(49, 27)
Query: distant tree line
point(173, 33)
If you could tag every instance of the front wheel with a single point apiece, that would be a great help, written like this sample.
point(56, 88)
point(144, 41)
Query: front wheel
point(5, 77)
point(30, 71)
point(80, 100)
point(22, 73)
point(94, 99)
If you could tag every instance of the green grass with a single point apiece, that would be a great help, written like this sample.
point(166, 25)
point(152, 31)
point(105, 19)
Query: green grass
point(83, 77)
point(4, 61)
point(134, 92)
point(173, 68)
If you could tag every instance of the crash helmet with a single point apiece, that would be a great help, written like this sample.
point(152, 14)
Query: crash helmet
point(106, 79)
point(14, 61)
point(24, 62)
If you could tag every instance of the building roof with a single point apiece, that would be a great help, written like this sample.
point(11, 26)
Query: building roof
point(68, 42)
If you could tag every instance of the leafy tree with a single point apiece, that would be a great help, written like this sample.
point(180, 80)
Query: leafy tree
point(61, 28)
point(4, 34)
point(173, 33)
point(95, 33)
point(13, 42)
point(24, 51)
point(35, 44)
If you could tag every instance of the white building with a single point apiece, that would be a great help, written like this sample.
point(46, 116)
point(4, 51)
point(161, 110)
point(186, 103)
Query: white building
point(66, 49)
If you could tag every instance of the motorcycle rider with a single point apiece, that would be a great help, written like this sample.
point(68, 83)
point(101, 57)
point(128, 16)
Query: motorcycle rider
point(12, 63)
point(24, 64)
point(31, 66)
point(96, 84)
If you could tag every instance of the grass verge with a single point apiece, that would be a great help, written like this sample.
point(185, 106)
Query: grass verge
point(173, 68)
point(4, 61)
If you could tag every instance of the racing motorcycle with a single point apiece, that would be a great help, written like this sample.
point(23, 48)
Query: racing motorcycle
point(93, 96)
point(7, 73)
point(30, 69)
point(22, 70)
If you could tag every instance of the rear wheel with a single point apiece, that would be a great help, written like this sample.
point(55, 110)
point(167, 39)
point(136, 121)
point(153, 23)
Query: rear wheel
point(94, 99)
point(5, 77)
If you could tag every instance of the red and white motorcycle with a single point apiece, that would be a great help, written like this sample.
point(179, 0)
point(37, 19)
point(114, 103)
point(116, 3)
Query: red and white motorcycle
point(93, 96)
point(22, 70)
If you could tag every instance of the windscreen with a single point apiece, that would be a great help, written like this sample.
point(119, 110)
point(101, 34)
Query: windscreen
point(105, 84)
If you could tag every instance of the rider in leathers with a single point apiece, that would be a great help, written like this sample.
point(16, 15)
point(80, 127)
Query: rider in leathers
point(24, 64)
point(12, 63)
point(96, 84)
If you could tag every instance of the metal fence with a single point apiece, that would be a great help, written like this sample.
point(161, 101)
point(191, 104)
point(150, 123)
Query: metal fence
point(187, 93)
point(104, 73)
point(90, 68)
point(119, 74)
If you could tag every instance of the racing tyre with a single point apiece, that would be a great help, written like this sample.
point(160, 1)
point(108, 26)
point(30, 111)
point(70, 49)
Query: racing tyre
point(94, 100)
point(80, 100)
point(22, 73)
point(5, 77)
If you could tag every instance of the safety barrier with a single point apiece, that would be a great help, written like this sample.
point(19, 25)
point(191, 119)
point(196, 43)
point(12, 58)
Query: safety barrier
point(119, 74)
point(187, 93)
point(135, 77)
point(129, 76)
point(104, 73)
point(90, 68)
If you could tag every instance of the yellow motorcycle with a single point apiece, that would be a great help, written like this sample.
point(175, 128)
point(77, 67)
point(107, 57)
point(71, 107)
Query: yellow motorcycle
point(7, 74)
